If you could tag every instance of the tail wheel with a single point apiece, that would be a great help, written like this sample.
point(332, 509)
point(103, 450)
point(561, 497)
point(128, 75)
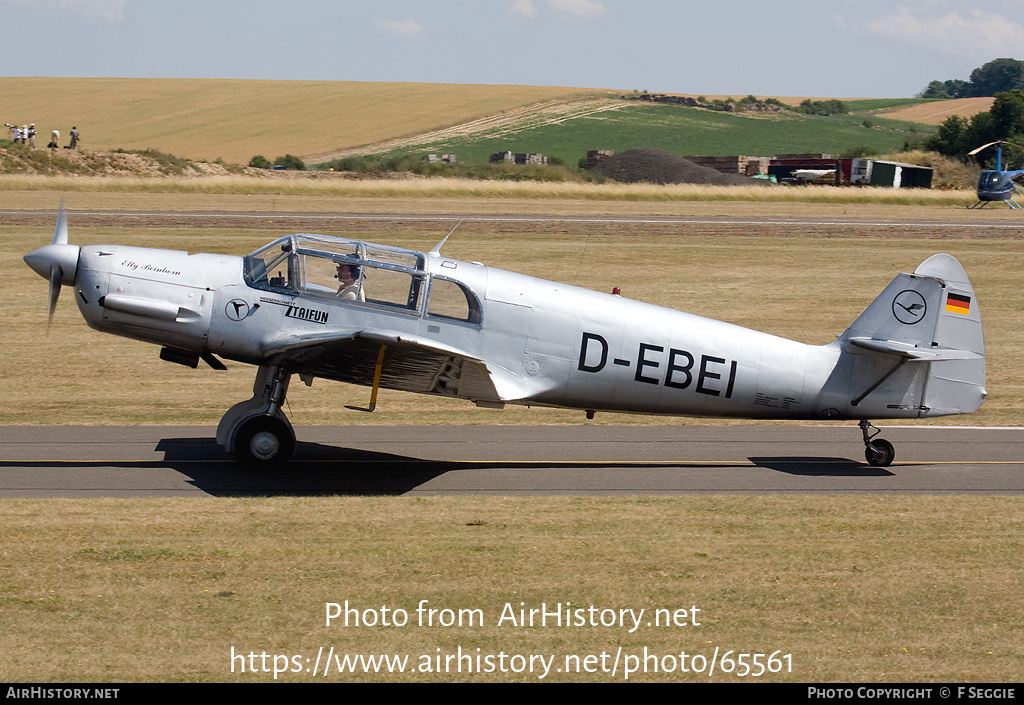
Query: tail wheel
point(879, 453)
point(264, 442)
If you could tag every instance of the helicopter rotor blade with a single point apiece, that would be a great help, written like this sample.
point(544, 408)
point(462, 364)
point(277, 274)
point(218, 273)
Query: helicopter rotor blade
point(975, 151)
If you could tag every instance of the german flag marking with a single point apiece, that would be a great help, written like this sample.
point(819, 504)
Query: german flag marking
point(958, 303)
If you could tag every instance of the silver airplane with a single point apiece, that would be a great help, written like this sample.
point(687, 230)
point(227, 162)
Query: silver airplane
point(381, 316)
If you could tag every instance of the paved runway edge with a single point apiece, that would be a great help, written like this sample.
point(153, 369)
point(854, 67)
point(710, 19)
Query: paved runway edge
point(161, 461)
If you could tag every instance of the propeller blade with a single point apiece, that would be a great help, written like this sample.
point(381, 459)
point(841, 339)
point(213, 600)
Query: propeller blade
point(55, 276)
point(60, 233)
point(56, 262)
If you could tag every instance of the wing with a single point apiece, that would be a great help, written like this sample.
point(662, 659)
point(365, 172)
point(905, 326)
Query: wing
point(411, 364)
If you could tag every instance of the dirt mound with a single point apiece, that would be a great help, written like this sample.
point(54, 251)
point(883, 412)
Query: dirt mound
point(656, 166)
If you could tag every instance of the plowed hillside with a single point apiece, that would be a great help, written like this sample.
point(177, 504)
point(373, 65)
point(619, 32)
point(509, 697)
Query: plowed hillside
point(935, 113)
point(207, 119)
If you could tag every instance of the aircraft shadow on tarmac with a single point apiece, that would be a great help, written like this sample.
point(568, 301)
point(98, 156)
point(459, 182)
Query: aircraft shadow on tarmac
point(820, 467)
point(316, 469)
point(319, 469)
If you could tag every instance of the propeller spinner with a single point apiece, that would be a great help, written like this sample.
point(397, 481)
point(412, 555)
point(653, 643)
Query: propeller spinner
point(56, 262)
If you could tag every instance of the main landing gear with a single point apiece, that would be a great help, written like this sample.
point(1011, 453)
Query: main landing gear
point(877, 451)
point(256, 431)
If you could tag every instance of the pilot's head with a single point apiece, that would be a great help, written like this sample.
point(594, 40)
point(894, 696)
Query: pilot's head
point(347, 273)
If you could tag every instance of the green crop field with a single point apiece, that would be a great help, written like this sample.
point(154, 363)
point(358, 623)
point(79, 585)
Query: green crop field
point(696, 131)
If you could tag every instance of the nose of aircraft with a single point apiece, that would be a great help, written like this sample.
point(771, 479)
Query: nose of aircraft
point(56, 262)
point(60, 258)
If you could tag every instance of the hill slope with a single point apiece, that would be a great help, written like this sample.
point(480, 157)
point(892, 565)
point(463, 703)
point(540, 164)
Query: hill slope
point(935, 112)
point(551, 112)
point(235, 119)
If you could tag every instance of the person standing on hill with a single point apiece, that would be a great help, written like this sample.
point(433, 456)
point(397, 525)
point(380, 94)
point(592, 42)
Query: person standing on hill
point(74, 138)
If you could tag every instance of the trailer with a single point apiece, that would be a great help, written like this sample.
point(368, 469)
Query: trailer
point(878, 172)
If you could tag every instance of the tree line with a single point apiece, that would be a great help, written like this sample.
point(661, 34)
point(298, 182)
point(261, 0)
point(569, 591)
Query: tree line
point(1004, 121)
point(994, 77)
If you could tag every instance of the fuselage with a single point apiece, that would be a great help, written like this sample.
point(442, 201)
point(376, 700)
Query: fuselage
point(550, 343)
point(357, 312)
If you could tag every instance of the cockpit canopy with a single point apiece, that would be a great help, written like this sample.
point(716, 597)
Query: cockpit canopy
point(361, 273)
point(995, 182)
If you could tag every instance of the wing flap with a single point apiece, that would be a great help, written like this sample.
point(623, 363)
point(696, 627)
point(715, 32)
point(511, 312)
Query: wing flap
point(411, 364)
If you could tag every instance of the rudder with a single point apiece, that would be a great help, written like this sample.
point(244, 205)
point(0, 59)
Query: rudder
point(919, 349)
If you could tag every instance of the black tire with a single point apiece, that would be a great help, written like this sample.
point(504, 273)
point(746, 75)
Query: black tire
point(264, 442)
point(880, 453)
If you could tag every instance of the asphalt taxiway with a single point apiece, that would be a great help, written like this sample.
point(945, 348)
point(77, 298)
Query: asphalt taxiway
point(152, 461)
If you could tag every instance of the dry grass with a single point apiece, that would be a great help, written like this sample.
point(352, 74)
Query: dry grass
point(934, 113)
point(236, 119)
point(329, 186)
point(856, 589)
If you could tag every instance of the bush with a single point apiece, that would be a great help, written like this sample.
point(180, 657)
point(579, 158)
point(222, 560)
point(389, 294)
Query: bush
point(167, 164)
point(260, 162)
point(822, 107)
point(290, 161)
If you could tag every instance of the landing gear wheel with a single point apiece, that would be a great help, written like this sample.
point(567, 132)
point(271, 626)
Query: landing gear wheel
point(879, 453)
point(264, 442)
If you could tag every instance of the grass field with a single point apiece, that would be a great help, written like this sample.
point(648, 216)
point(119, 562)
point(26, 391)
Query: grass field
point(852, 589)
point(321, 190)
point(838, 588)
point(235, 119)
point(692, 131)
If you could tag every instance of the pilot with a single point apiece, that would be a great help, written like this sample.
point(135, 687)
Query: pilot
point(348, 275)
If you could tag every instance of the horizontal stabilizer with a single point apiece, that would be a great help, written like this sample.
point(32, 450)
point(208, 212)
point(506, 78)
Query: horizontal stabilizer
point(915, 353)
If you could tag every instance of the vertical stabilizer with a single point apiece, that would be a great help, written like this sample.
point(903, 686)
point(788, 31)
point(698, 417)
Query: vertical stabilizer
point(918, 349)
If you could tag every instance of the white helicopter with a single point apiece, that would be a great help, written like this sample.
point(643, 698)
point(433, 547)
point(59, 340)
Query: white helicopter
point(381, 316)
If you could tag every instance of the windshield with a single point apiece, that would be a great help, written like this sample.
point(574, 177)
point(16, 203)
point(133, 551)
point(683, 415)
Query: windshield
point(267, 268)
point(993, 180)
point(349, 270)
